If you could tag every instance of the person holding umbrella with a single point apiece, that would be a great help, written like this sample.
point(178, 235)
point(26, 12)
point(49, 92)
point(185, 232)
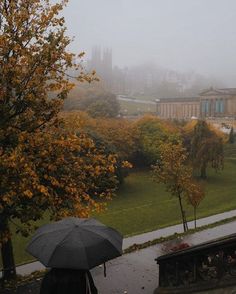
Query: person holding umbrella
point(64, 281)
point(71, 247)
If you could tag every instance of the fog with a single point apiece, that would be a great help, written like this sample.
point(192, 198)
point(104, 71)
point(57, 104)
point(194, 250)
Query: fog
point(182, 35)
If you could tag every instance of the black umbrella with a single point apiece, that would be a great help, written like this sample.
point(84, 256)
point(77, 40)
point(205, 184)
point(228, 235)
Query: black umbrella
point(75, 243)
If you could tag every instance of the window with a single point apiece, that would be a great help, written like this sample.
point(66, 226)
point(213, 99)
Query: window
point(217, 106)
point(222, 106)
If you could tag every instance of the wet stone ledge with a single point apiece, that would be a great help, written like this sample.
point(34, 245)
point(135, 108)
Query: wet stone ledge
point(202, 267)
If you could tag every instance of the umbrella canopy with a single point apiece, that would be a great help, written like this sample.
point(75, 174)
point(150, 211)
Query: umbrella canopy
point(75, 243)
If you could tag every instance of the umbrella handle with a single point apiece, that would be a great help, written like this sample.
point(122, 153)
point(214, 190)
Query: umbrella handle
point(105, 269)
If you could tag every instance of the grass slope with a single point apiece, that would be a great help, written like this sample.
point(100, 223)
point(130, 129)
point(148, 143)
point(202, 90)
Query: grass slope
point(142, 205)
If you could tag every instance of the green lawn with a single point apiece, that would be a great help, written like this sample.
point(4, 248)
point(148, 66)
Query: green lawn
point(135, 108)
point(142, 205)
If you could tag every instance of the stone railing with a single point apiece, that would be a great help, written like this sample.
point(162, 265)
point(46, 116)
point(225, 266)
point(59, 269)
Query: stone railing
point(205, 266)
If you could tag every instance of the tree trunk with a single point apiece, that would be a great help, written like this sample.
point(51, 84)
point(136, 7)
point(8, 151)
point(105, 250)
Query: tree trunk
point(8, 263)
point(185, 225)
point(203, 171)
point(195, 217)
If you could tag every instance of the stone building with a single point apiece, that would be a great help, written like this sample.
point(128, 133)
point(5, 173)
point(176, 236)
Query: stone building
point(178, 108)
point(218, 103)
point(211, 103)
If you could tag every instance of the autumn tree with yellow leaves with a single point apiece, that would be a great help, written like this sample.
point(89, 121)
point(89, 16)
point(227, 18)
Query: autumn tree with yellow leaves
point(173, 171)
point(43, 165)
point(117, 136)
point(120, 134)
point(194, 193)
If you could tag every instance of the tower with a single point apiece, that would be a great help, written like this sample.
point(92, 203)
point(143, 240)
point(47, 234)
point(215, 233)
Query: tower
point(107, 68)
point(96, 61)
point(101, 62)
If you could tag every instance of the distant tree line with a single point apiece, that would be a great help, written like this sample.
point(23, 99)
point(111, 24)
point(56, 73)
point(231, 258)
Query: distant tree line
point(94, 100)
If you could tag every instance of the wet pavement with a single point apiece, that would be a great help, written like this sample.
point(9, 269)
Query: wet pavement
point(137, 272)
point(134, 273)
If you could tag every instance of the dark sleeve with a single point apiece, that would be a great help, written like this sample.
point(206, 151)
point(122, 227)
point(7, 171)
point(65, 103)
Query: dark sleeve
point(91, 282)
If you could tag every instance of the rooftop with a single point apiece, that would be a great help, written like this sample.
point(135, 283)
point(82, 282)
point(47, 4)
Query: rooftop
point(222, 91)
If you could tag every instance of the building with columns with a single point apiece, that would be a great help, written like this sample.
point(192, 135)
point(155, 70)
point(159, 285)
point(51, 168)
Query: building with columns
point(178, 108)
point(211, 103)
point(218, 103)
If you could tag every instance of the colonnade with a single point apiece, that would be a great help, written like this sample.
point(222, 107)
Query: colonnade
point(178, 110)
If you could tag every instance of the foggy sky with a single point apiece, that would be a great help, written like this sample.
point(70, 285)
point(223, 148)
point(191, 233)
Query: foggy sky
point(183, 35)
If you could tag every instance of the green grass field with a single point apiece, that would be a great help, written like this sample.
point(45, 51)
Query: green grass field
point(135, 108)
point(142, 205)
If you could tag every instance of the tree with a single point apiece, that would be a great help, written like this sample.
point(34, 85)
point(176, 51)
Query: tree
point(231, 136)
point(176, 174)
point(105, 105)
point(194, 194)
point(95, 101)
point(34, 62)
point(206, 148)
point(40, 162)
point(119, 134)
point(120, 137)
point(152, 132)
point(56, 171)
point(172, 171)
point(110, 133)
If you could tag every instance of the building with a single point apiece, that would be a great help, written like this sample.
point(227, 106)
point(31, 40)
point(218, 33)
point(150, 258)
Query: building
point(211, 103)
point(178, 108)
point(218, 103)
point(101, 62)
